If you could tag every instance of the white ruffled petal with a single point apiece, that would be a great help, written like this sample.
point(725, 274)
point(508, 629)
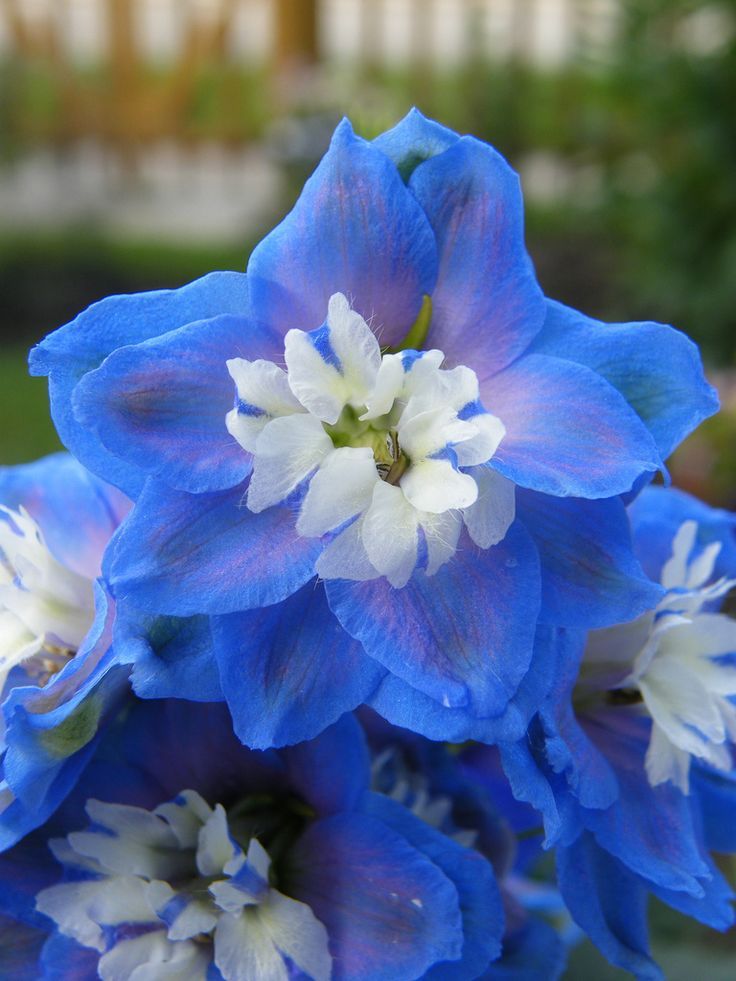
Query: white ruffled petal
point(390, 534)
point(436, 486)
point(356, 347)
point(151, 957)
point(288, 450)
point(664, 762)
point(297, 932)
point(674, 571)
point(345, 557)
point(215, 847)
point(317, 384)
point(441, 533)
point(245, 951)
point(492, 514)
point(341, 488)
point(483, 445)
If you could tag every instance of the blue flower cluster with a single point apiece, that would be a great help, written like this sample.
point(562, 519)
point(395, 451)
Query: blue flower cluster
point(353, 596)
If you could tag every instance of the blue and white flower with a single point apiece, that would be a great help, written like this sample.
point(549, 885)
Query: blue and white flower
point(58, 676)
point(630, 759)
point(435, 472)
point(271, 865)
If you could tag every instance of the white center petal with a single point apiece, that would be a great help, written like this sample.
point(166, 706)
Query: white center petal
point(678, 666)
point(287, 451)
point(384, 443)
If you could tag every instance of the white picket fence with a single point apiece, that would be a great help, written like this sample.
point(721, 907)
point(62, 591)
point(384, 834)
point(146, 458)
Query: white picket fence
point(546, 32)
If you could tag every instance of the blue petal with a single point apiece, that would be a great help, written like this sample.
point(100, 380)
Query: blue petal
point(82, 345)
point(414, 140)
point(656, 516)
point(533, 953)
point(405, 706)
point(333, 771)
point(656, 368)
point(568, 432)
point(290, 670)
point(187, 554)
point(356, 230)
point(714, 908)
point(161, 405)
point(651, 829)
point(590, 577)
point(52, 489)
point(487, 306)
point(171, 657)
point(463, 636)
point(25, 870)
point(390, 912)
point(63, 959)
point(609, 903)
point(480, 900)
point(716, 796)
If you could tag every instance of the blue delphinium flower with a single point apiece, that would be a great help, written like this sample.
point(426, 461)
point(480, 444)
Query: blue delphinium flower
point(380, 457)
point(456, 793)
point(630, 759)
point(184, 851)
point(58, 676)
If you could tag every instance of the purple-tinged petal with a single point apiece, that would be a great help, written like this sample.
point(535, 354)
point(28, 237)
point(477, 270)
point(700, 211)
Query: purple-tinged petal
point(568, 432)
point(656, 368)
point(480, 900)
point(390, 912)
point(290, 670)
point(20, 949)
point(55, 487)
point(590, 577)
point(463, 636)
point(83, 344)
point(487, 306)
point(187, 554)
point(414, 140)
point(609, 903)
point(161, 405)
point(404, 706)
point(354, 230)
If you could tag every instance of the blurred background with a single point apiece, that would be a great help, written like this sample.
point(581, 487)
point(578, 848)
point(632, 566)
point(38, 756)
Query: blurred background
point(145, 142)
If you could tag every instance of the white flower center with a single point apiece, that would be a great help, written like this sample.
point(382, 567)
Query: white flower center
point(677, 657)
point(394, 449)
point(45, 608)
point(192, 893)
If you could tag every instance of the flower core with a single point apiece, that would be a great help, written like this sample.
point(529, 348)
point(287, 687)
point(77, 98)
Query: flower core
point(178, 888)
point(388, 454)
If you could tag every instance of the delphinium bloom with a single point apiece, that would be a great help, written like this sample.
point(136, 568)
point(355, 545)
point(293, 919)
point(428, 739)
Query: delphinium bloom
point(380, 457)
point(58, 675)
point(462, 797)
point(630, 759)
point(230, 863)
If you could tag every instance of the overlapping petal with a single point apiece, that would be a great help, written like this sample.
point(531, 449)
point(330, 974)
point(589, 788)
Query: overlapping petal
point(187, 554)
point(83, 344)
point(161, 405)
point(354, 230)
point(463, 636)
point(487, 306)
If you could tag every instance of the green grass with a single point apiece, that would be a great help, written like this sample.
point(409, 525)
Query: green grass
point(27, 431)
